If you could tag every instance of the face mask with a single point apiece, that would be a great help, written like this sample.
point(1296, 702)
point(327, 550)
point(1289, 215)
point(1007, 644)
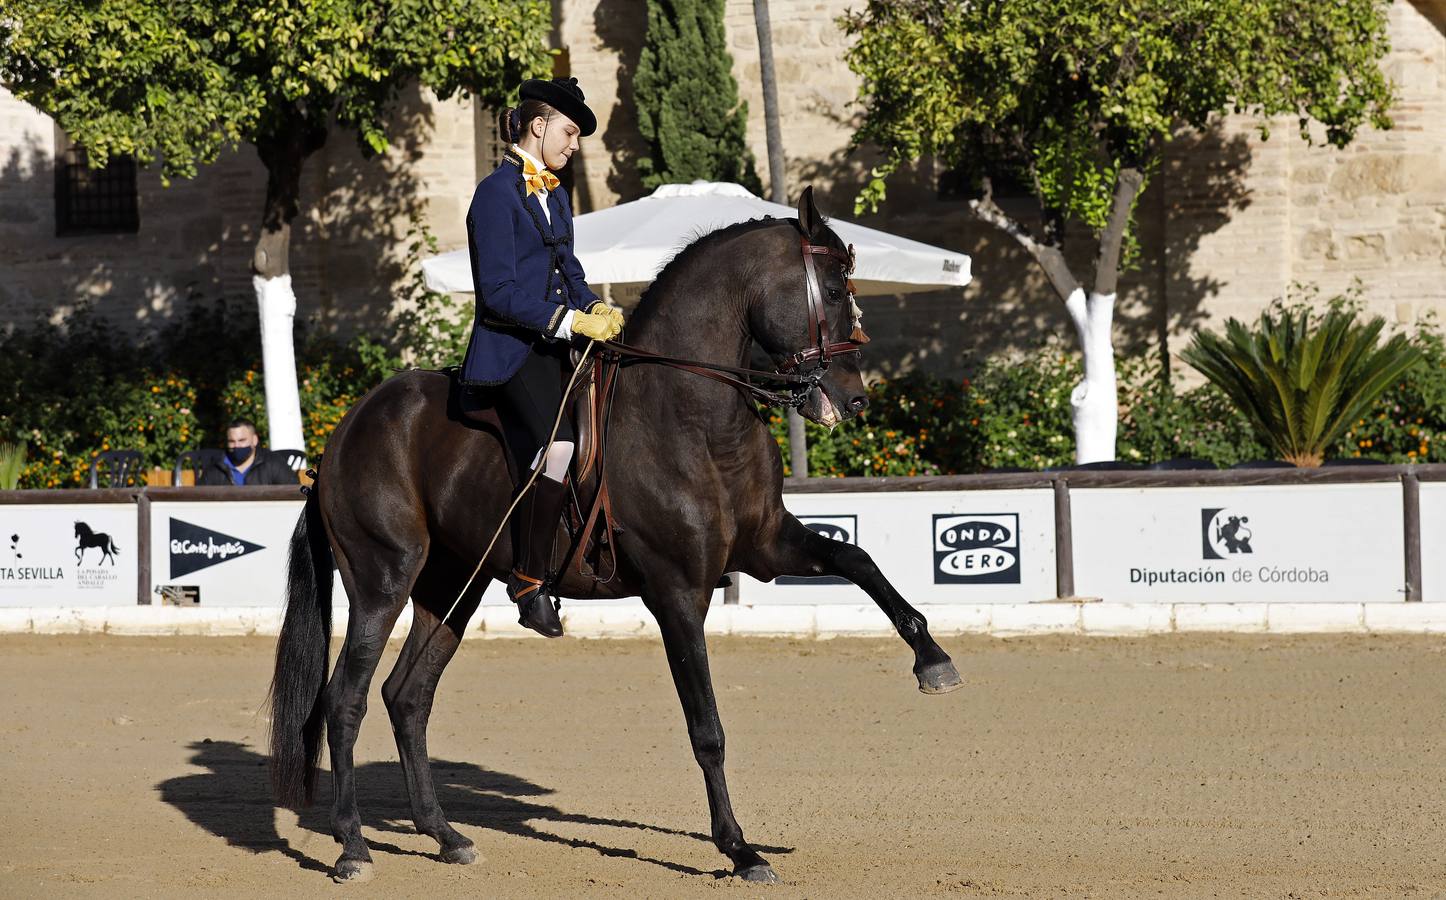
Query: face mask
point(238, 455)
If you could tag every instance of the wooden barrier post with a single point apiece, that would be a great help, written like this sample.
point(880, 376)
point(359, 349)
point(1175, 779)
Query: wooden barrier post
point(1063, 542)
point(1411, 512)
point(143, 549)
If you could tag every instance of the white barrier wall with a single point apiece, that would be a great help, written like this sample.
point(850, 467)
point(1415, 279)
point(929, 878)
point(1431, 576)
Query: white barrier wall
point(933, 546)
point(221, 553)
point(1321, 543)
point(68, 554)
point(1337, 539)
point(1433, 541)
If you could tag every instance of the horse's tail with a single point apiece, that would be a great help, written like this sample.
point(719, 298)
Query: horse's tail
point(297, 712)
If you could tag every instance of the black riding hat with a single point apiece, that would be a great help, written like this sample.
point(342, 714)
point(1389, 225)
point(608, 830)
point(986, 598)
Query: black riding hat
point(563, 95)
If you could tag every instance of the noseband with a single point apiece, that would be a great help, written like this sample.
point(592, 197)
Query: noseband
point(820, 350)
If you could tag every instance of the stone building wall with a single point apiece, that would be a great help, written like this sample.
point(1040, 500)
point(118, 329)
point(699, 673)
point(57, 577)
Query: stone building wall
point(1229, 223)
point(196, 236)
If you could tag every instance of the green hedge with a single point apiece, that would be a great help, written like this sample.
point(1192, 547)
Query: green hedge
point(79, 390)
point(1014, 413)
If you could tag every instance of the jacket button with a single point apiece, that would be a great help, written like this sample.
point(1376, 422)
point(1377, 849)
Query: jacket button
point(558, 291)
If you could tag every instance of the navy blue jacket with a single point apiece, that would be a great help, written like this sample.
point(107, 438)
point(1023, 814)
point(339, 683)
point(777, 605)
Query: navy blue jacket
point(523, 270)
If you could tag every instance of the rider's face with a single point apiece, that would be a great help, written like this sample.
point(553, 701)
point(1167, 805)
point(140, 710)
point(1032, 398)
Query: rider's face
point(557, 140)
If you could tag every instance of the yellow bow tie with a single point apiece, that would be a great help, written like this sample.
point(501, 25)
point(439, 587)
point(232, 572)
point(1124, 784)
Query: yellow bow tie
point(537, 180)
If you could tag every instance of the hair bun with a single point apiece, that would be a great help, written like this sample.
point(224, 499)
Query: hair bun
point(509, 124)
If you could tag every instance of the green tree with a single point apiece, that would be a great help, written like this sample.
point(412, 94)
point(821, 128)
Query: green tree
point(687, 99)
point(1075, 99)
point(174, 82)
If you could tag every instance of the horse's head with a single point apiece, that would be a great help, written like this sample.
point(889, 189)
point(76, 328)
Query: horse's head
point(812, 329)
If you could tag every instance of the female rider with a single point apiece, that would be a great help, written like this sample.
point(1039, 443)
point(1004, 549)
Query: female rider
point(532, 298)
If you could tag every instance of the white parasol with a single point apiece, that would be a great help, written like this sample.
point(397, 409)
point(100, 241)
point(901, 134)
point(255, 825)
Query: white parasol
point(631, 242)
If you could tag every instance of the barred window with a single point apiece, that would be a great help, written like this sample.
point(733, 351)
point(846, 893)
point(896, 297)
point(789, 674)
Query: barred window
point(94, 201)
point(487, 141)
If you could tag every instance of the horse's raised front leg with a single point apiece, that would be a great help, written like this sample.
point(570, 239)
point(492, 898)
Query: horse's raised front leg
point(408, 693)
point(680, 618)
point(800, 551)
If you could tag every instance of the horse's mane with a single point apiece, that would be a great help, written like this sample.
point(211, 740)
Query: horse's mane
point(698, 243)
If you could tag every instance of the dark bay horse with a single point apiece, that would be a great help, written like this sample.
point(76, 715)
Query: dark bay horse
point(406, 499)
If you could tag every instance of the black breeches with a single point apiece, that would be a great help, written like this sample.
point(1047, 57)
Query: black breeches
point(528, 402)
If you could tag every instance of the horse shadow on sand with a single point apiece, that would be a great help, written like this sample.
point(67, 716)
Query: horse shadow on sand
point(232, 800)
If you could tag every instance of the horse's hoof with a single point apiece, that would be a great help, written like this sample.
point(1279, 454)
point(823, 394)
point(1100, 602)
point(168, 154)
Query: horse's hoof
point(351, 871)
point(939, 678)
point(463, 855)
point(761, 874)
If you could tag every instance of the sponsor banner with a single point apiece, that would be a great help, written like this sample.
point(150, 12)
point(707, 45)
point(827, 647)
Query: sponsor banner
point(933, 546)
point(228, 553)
point(1433, 537)
point(68, 555)
point(1329, 543)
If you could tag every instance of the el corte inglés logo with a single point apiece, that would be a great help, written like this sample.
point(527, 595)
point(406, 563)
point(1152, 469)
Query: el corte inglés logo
point(194, 547)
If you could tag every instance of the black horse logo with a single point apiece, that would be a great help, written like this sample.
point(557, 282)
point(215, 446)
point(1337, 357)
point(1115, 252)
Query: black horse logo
point(1235, 534)
point(84, 538)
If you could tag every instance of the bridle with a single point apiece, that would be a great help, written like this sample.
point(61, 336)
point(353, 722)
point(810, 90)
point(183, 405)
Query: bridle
point(820, 350)
point(820, 347)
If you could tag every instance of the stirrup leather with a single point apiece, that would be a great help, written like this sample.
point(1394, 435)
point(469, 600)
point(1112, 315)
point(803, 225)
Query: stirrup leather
point(532, 585)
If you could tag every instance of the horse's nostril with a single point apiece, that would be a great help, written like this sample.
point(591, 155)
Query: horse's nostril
point(857, 404)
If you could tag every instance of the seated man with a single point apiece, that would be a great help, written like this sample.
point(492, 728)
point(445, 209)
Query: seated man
point(246, 461)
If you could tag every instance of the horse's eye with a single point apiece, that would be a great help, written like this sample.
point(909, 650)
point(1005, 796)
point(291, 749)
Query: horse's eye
point(835, 294)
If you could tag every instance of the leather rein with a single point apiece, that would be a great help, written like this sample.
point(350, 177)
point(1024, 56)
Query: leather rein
point(798, 383)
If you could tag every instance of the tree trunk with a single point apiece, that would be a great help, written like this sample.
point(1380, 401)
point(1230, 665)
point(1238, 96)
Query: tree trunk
point(778, 193)
point(284, 155)
point(1094, 402)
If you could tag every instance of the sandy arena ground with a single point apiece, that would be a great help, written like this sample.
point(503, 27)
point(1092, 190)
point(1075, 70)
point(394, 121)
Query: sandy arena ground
point(1179, 766)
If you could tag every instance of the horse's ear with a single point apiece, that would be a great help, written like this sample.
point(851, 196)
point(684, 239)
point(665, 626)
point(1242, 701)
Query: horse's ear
point(808, 217)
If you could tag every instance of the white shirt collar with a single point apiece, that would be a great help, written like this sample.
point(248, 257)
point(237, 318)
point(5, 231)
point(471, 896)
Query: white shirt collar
point(529, 157)
point(541, 192)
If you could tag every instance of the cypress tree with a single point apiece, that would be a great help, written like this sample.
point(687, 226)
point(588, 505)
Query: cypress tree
point(687, 99)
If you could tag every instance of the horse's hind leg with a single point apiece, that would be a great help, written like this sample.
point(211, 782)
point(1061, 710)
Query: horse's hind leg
point(377, 581)
point(801, 551)
point(410, 688)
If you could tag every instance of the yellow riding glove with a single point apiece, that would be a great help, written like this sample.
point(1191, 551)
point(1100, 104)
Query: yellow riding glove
point(599, 326)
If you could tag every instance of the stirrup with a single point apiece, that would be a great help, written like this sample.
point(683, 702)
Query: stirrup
point(535, 609)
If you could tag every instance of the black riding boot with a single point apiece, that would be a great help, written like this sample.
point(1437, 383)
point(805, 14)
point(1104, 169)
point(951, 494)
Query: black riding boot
point(537, 518)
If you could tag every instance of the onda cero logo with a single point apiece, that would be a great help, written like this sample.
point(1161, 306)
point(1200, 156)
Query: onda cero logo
point(835, 528)
point(976, 549)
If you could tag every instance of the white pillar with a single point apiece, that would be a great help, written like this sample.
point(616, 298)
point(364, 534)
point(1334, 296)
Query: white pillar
point(1095, 400)
point(276, 306)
